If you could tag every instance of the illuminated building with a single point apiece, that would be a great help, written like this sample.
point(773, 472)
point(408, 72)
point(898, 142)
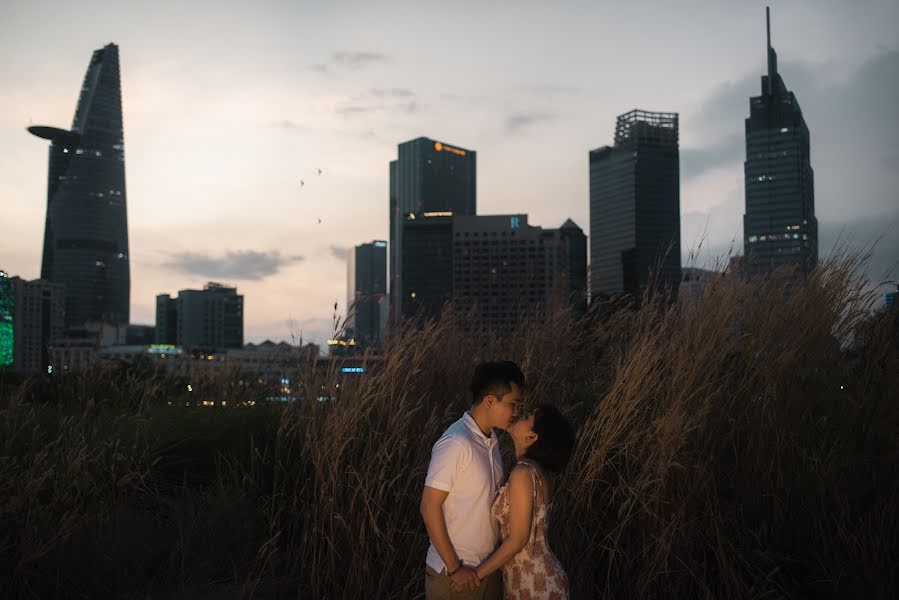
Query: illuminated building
point(635, 207)
point(497, 266)
point(86, 229)
point(779, 227)
point(211, 317)
point(427, 177)
point(33, 312)
point(7, 314)
point(366, 291)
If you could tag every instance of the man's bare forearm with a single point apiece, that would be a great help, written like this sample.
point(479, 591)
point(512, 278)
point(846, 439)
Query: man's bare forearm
point(436, 527)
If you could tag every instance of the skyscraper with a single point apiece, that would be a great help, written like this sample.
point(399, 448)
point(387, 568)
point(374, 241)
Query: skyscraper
point(427, 177)
point(366, 291)
point(211, 317)
point(779, 227)
point(31, 323)
point(635, 207)
point(499, 266)
point(86, 229)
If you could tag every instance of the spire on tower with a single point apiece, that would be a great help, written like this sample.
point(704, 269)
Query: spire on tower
point(772, 55)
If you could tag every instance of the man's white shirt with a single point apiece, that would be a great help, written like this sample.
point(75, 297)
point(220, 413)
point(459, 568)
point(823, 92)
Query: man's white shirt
point(466, 464)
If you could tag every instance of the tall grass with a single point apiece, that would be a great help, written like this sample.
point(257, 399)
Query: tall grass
point(744, 446)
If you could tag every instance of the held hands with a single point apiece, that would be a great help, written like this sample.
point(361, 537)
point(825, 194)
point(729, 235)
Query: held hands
point(464, 580)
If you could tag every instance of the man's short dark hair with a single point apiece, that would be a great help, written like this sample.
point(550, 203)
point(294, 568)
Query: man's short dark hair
point(495, 377)
point(555, 439)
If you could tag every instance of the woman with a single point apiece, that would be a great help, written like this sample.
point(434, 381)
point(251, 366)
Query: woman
point(543, 444)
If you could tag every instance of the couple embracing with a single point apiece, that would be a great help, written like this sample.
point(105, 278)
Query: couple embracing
point(488, 533)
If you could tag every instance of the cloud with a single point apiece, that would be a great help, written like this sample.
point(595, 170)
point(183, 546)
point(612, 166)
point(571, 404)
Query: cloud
point(350, 61)
point(727, 151)
point(240, 264)
point(288, 124)
point(517, 122)
point(552, 89)
point(393, 92)
point(393, 101)
point(338, 252)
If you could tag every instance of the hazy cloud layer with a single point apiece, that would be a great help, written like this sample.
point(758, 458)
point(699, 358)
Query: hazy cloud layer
point(338, 252)
point(350, 61)
point(240, 264)
point(395, 101)
point(725, 152)
point(516, 122)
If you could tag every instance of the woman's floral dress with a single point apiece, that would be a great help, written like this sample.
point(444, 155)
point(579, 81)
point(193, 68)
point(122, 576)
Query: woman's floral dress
point(535, 572)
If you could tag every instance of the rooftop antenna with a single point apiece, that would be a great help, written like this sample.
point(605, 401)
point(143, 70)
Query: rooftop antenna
point(772, 56)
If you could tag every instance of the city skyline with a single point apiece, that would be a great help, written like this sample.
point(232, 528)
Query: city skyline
point(218, 138)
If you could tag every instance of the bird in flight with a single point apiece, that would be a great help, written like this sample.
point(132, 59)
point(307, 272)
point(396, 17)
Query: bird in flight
point(302, 183)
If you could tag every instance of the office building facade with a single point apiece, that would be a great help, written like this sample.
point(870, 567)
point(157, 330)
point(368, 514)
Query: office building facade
point(211, 317)
point(497, 268)
point(428, 177)
point(86, 228)
point(31, 323)
point(366, 291)
point(779, 226)
point(635, 207)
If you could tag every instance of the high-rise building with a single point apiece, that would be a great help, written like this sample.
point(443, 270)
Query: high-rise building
point(576, 240)
point(497, 266)
point(86, 230)
point(7, 321)
point(211, 317)
point(366, 291)
point(427, 263)
point(635, 207)
point(428, 177)
point(31, 323)
point(166, 319)
point(779, 227)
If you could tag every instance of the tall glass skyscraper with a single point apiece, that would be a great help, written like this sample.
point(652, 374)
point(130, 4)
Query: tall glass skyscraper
point(86, 230)
point(427, 177)
point(367, 291)
point(635, 207)
point(779, 227)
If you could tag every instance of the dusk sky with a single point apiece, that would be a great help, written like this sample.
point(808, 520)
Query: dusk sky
point(228, 105)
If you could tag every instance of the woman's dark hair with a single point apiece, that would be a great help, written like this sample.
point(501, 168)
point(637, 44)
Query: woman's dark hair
point(495, 378)
point(555, 439)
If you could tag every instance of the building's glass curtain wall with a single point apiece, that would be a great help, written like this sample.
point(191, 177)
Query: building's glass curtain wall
point(86, 230)
point(779, 227)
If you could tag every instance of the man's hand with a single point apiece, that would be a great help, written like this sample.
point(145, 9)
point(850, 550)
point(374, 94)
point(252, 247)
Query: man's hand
point(464, 580)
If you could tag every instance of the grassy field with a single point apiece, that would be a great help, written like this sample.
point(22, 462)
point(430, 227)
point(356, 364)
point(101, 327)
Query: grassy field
point(741, 447)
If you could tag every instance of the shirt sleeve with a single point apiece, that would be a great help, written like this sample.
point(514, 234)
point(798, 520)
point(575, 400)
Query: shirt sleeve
point(447, 460)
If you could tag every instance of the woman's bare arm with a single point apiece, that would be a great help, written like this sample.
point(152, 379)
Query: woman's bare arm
point(520, 494)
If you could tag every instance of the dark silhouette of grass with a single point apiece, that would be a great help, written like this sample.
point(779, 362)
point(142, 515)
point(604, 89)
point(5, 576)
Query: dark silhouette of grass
point(744, 446)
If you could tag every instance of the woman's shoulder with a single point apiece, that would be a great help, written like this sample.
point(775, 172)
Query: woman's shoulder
point(524, 472)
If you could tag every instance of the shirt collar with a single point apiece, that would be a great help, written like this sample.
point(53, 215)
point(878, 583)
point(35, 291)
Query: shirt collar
point(476, 429)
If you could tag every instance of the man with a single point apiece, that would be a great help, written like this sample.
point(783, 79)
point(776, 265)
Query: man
point(465, 471)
